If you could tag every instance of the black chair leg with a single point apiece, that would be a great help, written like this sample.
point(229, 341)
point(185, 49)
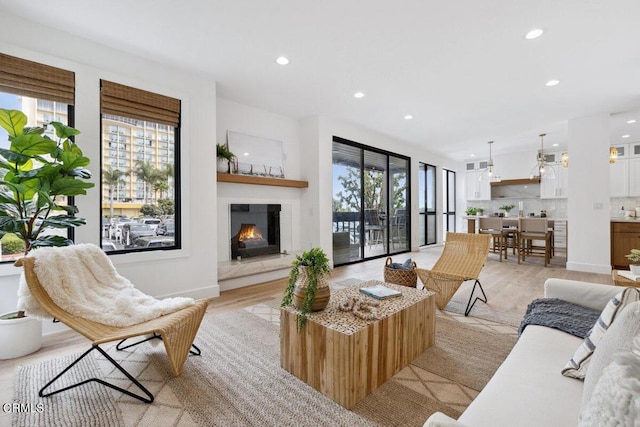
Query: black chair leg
point(147, 399)
point(195, 352)
point(471, 304)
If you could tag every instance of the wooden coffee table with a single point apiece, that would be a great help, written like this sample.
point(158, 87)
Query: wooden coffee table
point(345, 357)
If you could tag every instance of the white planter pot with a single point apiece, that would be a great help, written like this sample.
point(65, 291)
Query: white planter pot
point(19, 337)
point(635, 268)
point(222, 165)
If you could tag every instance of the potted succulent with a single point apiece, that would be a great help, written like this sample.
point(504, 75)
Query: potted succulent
point(479, 211)
point(634, 261)
point(224, 157)
point(307, 287)
point(37, 175)
point(507, 209)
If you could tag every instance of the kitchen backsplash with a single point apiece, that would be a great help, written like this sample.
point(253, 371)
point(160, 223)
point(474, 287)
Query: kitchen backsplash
point(556, 208)
point(629, 203)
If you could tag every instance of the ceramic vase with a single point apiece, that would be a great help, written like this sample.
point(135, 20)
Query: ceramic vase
point(635, 268)
point(323, 292)
point(222, 165)
point(19, 336)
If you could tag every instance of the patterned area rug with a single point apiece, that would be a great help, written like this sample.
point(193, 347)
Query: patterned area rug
point(238, 380)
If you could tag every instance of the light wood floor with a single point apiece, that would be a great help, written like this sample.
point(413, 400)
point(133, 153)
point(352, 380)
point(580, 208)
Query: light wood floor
point(509, 286)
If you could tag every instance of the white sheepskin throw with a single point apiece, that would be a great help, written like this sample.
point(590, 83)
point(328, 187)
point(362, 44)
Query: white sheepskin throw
point(82, 280)
point(615, 400)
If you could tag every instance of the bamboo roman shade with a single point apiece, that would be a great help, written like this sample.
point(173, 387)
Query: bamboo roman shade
point(125, 101)
point(28, 78)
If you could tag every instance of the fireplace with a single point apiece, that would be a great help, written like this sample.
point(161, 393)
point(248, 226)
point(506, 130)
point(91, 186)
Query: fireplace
point(255, 229)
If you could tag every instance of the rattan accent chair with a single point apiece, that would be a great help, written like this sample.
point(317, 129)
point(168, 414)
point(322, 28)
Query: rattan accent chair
point(177, 331)
point(462, 259)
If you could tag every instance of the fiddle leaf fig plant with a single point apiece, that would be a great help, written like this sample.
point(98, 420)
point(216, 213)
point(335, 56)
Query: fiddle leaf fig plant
point(37, 175)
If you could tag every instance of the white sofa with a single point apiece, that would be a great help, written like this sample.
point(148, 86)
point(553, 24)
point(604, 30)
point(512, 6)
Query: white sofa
point(528, 388)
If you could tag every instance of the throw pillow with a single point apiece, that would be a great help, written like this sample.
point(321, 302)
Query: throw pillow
point(616, 397)
point(618, 338)
point(407, 264)
point(576, 367)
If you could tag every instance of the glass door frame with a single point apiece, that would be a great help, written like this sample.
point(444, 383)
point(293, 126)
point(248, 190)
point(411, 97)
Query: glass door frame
point(430, 194)
point(387, 202)
point(448, 199)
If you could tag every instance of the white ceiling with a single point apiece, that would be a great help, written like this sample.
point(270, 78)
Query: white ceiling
point(462, 68)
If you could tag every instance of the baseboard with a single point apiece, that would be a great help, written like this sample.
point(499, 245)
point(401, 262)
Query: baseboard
point(254, 279)
point(589, 268)
point(207, 292)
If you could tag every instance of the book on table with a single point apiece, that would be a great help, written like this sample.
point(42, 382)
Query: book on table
point(629, 275)
point(380, 292)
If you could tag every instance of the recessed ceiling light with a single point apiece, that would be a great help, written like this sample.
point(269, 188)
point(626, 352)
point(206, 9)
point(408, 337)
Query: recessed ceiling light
point(408, 117)
point(246, 154)
point(631, 121)
point(472, 155)
point(555, 145)
point(626, 136)
point(358, 95)
point(534, 34)
point(282, 60)
point(552, 83)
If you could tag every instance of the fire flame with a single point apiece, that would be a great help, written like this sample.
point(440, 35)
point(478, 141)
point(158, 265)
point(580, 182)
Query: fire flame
point(249, 233)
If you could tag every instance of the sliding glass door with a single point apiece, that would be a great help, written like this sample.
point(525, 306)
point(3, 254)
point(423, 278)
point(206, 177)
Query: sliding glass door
point(370, 200)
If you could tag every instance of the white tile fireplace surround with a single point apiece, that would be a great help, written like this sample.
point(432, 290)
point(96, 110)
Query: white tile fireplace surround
point(236, 273)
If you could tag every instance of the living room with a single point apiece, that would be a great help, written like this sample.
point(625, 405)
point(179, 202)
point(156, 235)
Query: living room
point(208, 114)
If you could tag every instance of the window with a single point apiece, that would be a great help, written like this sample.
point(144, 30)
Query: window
point(427, 204)
point(43, 93)
point(140, 180)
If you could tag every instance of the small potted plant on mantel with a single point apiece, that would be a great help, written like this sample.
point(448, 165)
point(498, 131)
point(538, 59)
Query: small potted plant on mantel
point(634, 261)
point(224, 158)
point(507, 209)
point(37, 175)
point(307, 287)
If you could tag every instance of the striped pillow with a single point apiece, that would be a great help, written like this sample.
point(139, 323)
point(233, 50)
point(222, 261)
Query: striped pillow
point(576, 367)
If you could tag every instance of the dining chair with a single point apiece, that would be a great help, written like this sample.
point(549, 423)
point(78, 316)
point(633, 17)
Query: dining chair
point(532, 230)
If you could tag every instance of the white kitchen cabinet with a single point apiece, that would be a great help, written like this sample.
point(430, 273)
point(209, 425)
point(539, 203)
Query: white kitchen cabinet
point(621, 179)
point(475, 188)
point(554, 185)
point(634, 176)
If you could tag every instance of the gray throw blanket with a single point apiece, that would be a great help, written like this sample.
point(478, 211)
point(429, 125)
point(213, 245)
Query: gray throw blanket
point(555, 313)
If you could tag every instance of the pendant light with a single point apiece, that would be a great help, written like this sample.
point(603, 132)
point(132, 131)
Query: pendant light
point(541, 167)
point(489, 173)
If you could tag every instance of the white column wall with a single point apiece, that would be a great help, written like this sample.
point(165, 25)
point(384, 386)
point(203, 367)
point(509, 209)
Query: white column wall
point(588, 203)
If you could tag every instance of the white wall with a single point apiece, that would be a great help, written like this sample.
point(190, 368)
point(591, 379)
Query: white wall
point(588, 204)
point(190, 271)
point(232, 116)
point(319, 139)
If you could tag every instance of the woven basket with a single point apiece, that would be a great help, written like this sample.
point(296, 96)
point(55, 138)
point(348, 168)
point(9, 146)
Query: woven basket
point(400, 277)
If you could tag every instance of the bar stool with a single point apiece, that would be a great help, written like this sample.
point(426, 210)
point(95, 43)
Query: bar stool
point(493, 227)
point(529, 231)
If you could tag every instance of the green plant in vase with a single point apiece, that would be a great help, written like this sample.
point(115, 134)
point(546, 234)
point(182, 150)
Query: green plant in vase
point(634, 261)
point(224, 158)
point(507, 209)
point(307, 287)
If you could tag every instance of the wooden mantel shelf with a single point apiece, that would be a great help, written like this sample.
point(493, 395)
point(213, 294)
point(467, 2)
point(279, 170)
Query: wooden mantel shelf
point(525, 181)
point(261, 180)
